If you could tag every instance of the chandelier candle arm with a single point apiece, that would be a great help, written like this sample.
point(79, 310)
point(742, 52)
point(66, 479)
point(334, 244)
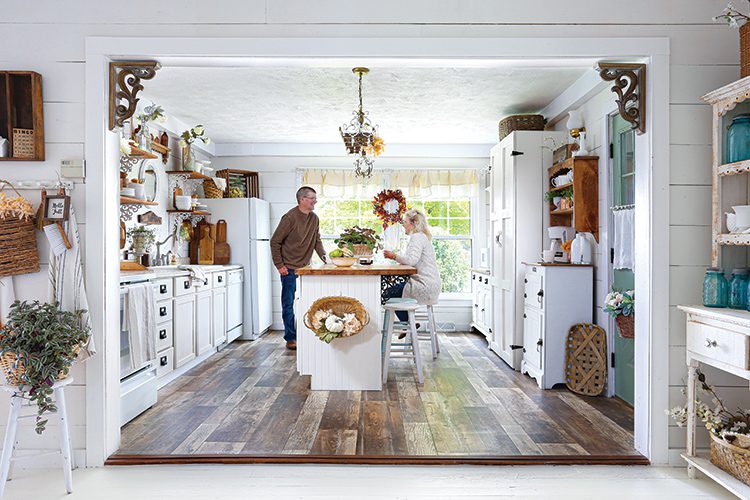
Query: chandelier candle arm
point(360, 135)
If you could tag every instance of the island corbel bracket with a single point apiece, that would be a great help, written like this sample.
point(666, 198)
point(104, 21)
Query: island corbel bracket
point(630, 87)
point(124, 84)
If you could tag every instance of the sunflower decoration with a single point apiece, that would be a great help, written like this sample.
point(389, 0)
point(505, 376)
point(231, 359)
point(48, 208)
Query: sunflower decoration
point(376, 148)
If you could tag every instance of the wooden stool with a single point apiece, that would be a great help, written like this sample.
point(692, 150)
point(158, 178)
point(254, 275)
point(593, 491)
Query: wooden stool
point(10, 443)
point(408, 349)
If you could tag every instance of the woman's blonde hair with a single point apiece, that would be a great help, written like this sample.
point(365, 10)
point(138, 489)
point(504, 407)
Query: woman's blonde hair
point(418, 219)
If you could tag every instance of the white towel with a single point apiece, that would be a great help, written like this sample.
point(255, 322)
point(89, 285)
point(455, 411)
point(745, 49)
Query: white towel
point(220, 183)
point(624, 239)
point(196, 273)
point(66, 280)
point(141, 324)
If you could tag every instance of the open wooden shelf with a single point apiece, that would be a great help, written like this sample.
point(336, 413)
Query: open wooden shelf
point(157, 146)
point(21, 110)
point(127, 200)
point(560, 188)
point(136, 152)
point(737, 167)
point(194, 212)
point(189, 173)
point(584, 216)
point(567, 211)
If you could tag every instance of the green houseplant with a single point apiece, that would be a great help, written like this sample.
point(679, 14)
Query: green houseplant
point(361, 241)
point(142, 237)
point(38, 344)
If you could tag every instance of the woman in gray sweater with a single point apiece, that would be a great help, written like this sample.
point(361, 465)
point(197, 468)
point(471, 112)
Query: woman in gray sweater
point(425, 286)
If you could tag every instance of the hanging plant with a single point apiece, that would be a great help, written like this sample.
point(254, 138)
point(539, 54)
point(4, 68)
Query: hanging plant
point(382, 199)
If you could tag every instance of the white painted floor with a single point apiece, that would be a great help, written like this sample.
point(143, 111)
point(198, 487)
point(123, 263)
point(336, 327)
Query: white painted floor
point(278, 482)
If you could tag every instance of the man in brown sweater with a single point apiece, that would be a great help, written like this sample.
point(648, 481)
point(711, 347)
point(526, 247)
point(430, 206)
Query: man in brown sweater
point(292, 245)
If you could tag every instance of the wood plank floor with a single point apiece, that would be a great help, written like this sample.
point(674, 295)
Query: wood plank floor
point(249, 400)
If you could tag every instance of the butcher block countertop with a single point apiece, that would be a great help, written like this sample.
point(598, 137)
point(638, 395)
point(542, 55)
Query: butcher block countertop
point(356, 270)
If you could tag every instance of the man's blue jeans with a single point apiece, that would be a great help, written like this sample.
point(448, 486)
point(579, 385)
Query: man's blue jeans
point(288, 288)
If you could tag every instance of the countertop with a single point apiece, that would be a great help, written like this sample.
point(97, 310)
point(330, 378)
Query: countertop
point(357, 270)
point(159, 272)
point(482, 270)
point(556, 264)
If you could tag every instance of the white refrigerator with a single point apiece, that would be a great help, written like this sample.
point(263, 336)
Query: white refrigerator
point(249, 237)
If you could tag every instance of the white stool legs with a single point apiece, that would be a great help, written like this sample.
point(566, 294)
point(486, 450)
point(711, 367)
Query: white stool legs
point(432, 332)
point(413, 345)
point(64, 433)
point(9, 444)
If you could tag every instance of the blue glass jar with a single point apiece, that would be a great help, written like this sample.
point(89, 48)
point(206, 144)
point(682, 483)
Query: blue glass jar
point(738, 289)
point(738, 139)
point(715, 288)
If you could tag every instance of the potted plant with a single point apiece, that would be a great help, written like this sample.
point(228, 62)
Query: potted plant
point(360, 241)
point(39, 342)
point(554, 197)
point(187, 138)
point(142, 239)
point(566, 196)
point(621, 305)
point(737, 19)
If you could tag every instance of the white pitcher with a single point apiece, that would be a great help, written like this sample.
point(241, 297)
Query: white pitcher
point(580, 249)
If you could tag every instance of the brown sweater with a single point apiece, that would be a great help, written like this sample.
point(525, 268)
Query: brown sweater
point(294, 240)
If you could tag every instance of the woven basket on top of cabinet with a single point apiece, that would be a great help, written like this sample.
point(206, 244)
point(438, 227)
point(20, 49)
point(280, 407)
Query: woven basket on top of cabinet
point(210, 189)
point(520, 122)
point(18, 251)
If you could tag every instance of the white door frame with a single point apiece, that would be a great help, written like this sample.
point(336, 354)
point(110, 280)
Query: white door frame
point(652, 193)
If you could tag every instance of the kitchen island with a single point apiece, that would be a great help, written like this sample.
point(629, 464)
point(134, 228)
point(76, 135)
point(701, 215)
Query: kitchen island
point(350, 363)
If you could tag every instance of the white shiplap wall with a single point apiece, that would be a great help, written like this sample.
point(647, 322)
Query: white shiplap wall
point(50, 38)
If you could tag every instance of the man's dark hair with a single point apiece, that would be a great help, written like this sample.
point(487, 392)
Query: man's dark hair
point(303, 192)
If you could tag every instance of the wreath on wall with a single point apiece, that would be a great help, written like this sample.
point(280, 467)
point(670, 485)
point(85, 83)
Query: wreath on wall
point(380, 202)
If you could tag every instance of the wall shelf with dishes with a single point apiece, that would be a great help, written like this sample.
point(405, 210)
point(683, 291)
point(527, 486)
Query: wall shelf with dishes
point(573, 194)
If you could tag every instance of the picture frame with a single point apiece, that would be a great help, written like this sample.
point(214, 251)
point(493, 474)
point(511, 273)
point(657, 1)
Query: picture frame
point(56, 208)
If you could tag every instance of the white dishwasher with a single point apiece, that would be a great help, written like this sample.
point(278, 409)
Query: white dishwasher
point(235, 279)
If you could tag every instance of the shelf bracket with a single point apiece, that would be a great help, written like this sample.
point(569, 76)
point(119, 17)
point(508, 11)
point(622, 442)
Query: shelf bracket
point(630, 87)
point(124, 84)
point(128, 210)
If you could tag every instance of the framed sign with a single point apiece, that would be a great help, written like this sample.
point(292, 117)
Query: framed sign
point(56, 208)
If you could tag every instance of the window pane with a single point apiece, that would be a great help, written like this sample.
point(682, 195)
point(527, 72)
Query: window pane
point(349, 208)
point(325, 209)
point(438, 226)
point(454, 262)
point(460, 227)
point(459, 209)
point(345, 224)
point(436, 208)
point(327, 226)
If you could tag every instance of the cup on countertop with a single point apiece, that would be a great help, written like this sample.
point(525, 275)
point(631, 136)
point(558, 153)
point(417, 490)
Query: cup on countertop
point(548, 256)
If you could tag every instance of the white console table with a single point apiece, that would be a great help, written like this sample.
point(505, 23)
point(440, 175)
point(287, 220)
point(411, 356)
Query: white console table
point(719, 338)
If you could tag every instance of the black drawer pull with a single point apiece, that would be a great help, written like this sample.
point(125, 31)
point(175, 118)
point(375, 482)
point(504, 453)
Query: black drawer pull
point(162, 334)
point(524, 315)
point(163, 311)
point(486, 280)
point(524, 296)
point(186, 284)
point(221, 279)
point(162, 288)
point(163, 361)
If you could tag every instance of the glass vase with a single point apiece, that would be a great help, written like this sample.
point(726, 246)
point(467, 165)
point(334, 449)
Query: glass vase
point(738, 139)
point(188, 158)
point(144, 138)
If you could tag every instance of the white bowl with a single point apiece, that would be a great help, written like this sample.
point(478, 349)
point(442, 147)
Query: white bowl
point(343, 261)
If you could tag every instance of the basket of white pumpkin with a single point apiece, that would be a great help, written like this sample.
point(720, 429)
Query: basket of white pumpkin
point(333, 317)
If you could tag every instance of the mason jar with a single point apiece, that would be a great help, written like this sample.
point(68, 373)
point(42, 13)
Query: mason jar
point(738, 289)
point(738, 139)
point(715, 288)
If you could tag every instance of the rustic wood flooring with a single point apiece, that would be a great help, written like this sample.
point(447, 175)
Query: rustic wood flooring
point(249, 400)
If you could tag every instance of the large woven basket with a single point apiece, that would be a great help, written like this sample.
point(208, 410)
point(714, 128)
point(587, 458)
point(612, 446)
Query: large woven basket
point(626, 325)
point(520, 122)
point(586, 359)
point(339, 306)
point(745, 50)
point(730, 458)
point(361, 250)
point(210, 189)
point(18, 251)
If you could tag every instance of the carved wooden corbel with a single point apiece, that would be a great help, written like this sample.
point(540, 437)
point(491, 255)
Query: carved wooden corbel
point(124, 84)
point(630, 87)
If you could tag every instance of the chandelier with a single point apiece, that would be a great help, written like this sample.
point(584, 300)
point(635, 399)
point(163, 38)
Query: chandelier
point(360, 136)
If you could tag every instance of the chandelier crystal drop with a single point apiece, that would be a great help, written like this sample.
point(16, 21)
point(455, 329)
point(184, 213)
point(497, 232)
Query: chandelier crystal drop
point(360, 136)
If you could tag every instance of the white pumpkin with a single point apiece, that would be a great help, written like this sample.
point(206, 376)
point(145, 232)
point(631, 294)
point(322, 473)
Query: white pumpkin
point(334, 324)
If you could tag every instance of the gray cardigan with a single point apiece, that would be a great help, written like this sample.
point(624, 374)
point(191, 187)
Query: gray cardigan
point(424, 286)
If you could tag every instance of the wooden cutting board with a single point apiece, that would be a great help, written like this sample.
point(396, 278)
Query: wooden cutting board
point(194, 247)
point(206, 255)
point(222, 251)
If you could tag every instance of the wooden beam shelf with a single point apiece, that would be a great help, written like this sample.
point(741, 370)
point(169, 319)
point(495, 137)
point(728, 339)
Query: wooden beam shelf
point(188, 173)
point(128, 200)
point(193, 212)
point(136, 152)
point(567, 211)
point(560, 188)
point(584, 216)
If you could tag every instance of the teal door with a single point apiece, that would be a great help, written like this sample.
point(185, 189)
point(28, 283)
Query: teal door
point(623, 193)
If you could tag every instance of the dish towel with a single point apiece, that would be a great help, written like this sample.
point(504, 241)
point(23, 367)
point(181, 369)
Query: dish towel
point(624, 239)
point(65, 283)
point(220, 183)
point(141, 324)
point(196, 273)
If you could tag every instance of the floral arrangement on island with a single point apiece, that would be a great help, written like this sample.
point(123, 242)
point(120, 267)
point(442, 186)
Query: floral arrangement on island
point(380, 206)
point(329, 326)
point(359, 240)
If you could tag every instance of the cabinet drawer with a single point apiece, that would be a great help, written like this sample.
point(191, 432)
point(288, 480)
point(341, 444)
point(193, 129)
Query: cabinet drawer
point(207, 285)
point(163, 311)
point(235, 276)
point(163, 289)
point(183, 286)
point(164, 362)
point(533, 291)
point(220, 279)
point(164, 336)
point(719, 344)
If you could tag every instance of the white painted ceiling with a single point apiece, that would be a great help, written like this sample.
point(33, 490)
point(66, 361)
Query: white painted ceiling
point(411, 104)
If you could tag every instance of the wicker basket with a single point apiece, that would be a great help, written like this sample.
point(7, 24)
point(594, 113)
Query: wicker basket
point(586, 359)
point(745, 50)
point(23, 143)
point(626, 325)
point(339, 306)
point(520, 122)
point(18, 252)
point(12, 369)
point(211, 191)
point(361, 250)
point(730, 458)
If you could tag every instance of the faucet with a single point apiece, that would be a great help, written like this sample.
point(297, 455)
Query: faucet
point(158, 260)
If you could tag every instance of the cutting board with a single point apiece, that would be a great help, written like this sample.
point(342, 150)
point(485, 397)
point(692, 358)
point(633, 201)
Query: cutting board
point(206, 255)
point(194, 246)
point(222, 252)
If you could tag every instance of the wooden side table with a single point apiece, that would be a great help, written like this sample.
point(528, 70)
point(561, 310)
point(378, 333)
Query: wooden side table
point(718, 338)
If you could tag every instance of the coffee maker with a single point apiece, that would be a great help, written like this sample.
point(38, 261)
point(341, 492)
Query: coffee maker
point(557, 235)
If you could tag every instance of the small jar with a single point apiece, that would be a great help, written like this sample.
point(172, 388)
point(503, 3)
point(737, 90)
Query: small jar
point(738, 139)
point(738, 289)
point(715, 288)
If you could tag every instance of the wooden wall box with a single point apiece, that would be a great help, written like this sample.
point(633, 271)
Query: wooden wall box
point(584, 215)
point(22, 115)
point(247, 181)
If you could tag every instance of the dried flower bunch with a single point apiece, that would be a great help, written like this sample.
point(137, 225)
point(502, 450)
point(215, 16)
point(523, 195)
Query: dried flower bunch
point(732, 16)
point(190, 136)
point(15, 207)
point(329, 326)
point(734, 427)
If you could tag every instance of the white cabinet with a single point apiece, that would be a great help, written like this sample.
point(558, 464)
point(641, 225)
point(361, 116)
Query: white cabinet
point(219, 316)
point(163, 293)
point(555, 297)
point(518, 167)
point(481, 291)
point(234, 304)
point(203, 322)
point(184, 329)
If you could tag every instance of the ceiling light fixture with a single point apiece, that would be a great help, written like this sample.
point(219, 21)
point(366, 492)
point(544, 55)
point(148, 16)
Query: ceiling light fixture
point(360, 136)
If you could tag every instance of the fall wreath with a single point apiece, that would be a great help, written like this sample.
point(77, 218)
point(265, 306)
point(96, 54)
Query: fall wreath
point(382, 199)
